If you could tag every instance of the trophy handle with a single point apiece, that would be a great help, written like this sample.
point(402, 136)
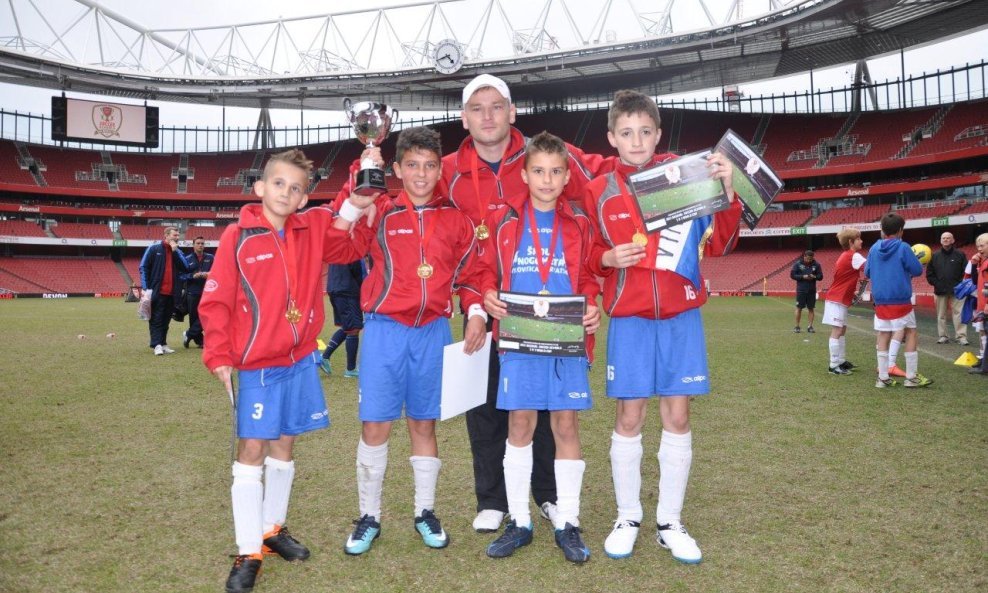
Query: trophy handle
point(394, 115)
point(347, 104)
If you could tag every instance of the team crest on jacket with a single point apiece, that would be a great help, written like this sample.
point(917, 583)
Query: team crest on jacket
point(211, 285)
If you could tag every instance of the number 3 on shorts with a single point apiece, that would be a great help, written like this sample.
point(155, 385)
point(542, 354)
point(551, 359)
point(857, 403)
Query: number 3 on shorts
point(610, 372)
point(258, 411)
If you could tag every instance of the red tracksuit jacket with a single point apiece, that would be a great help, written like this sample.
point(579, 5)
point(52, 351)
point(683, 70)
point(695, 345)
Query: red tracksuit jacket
point(392, 286)
point(646, 292)
point(245, 299)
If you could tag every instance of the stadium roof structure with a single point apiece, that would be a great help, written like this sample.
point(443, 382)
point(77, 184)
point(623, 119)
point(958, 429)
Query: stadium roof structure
point(575, 50)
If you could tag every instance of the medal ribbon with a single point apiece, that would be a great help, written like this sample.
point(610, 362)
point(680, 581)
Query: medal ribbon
point(291, 266)
point(483, 201)
point(546, 266)
point(652, 247)
point(423, 239)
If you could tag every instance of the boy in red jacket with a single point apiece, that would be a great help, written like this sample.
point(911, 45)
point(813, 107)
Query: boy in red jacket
point(541, 247)
point(652, 291)
point(422, 249)
point(262, 310)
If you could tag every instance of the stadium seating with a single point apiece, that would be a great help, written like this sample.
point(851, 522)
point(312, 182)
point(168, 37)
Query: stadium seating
point(65, 274)
point(929, 211)
point(21, 228)
point(209, 233)
point(785, 218)
point(851, 215)
point(744, 269)
point(960, 117)
point(81, 230)
point(133, 232)
point(975, 208)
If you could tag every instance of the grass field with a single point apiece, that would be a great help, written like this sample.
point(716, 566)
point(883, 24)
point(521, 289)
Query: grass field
point(546, 331)
point(668, 200)
point(748, 192)
point(116, 473)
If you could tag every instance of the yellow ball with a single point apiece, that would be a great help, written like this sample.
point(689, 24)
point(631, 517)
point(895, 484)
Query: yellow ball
point(923, 253)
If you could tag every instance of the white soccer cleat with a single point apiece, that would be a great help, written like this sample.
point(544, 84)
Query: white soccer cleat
point(488, 521)
point(621, 542)
point(158, 350)
point(167, 350)
point(674, 537)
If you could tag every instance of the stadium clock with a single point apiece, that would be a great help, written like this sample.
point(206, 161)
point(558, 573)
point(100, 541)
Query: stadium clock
point(447, 56)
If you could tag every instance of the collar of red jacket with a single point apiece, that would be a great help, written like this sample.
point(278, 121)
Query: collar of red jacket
point(252, 216)
point(464, 155)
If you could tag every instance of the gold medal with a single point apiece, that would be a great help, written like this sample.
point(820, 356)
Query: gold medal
point(482, 232)
point(544, 291)
point(640, 239)
point(293, 315)
point(424, 270)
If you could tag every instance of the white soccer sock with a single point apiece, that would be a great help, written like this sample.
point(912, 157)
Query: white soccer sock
point(626, 471)
point(426, 473)
point(894, 346)
point(912, 364)
point(518, 481)
point(841, 350)
point(675, 457)
point(371, 465)
point(248, 495)
point(883, 365)
point(569, 482)
point(984, 343)
point(834, 352)
point(278, 477)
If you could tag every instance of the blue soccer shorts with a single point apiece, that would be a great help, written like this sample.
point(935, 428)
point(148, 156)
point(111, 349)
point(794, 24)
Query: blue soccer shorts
point(531, 382)
point(662, 357)
point(401, 367)
point(281, 400)
point(346, 312)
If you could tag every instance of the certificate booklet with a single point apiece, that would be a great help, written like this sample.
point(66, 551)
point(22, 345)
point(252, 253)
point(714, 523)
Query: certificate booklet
point(550, 325)
point(754, 181)
point(677, 191)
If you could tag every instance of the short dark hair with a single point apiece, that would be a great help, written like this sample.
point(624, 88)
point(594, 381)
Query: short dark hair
point(892, 223)
point(629, 103)
point(808, 253)
point(199, 238)
point(418, 138)
point(546, 143)
point(292, 156)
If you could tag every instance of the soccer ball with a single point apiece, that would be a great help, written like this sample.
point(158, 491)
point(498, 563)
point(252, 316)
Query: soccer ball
point(923, 253)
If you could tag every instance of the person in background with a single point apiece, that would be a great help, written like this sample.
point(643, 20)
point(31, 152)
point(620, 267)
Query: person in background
point(343, 286)
point(161, 268)
point(945, 270)
point(806, 272)
point(200, 263)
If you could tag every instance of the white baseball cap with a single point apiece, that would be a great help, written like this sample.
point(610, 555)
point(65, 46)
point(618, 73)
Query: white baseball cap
point(483, 81)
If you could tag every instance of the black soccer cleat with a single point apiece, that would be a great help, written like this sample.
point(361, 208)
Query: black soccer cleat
point(847, 365)
point(243, 575)
point(284, 545)
point(571, 543)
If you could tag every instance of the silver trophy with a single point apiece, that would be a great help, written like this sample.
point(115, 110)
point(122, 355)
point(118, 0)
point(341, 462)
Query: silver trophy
point(371, 123)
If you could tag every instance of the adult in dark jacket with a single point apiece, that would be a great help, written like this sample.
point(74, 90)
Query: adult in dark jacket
point(161, 269)
point(945, 270)
point(200, 263)
point(806, 271)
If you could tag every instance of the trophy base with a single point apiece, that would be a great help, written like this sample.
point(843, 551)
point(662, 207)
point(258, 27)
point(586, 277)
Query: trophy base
point(370, 182)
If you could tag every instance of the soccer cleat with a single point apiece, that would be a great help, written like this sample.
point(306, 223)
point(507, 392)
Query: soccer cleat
point(810, 330)
point(365, 531)
point(943, 340)
point(351, 374)
point(488, 521)
point(795, 330)
point(963, 341)
point(279, 541)
point(158, 350)
point(186, 339)
point(621, 542)
point(166, 349)
point(571, 543)
point(917, 381)
point(839, 370)
point(674, 537)
point(548, 511)
point(513, 538)
point(847, 365)
point(883, 383)
point(243, 575)
point(433, 535)
point(324, 365)
point(895, 371)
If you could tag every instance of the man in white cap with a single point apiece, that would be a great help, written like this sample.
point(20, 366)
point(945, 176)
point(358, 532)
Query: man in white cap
point(479, 178)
